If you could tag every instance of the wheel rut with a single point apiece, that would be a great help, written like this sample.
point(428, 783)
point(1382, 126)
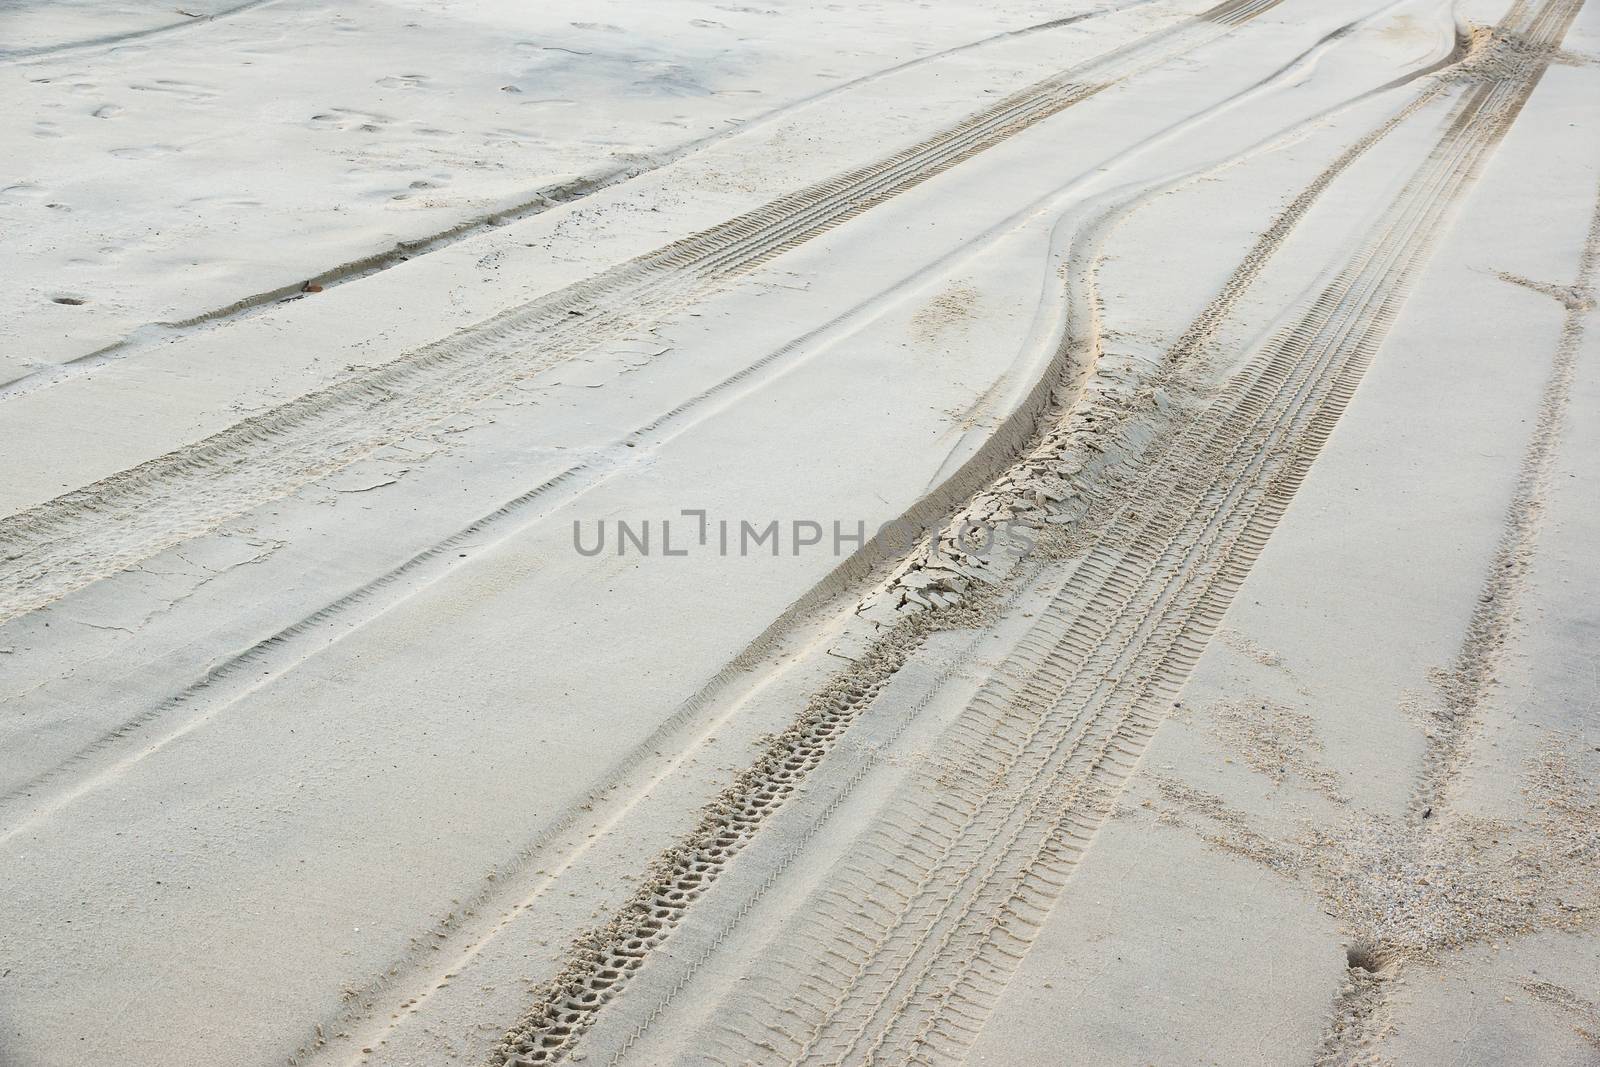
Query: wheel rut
point(63, 544)
point(902, 956)
point(903, 950)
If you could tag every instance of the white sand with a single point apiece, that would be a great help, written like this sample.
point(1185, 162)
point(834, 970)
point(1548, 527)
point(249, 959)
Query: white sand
point(166, 177)
point(321, 743)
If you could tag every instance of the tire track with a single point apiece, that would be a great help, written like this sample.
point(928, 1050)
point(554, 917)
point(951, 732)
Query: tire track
point(258, 664)
point(77, 538)
point(230, 679)
point(524, 206)
point(605, 959)
point(903, 958)
point(14, 55)
point(1362, 1012)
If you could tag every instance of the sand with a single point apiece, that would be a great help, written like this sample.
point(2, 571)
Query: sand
point(1260, 335)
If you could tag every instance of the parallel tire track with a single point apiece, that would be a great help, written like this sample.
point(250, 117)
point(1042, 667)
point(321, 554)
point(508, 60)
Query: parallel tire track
point(526, 206)
point(604, 962)
point(77, 538)
point(901, 957)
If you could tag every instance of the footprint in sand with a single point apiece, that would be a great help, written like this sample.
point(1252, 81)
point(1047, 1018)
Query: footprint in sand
point(192, 92)
point(404, 81)
point(144, 151)
point(531, 49)
point(223, 200)
point(341, 118)
point(420, 185)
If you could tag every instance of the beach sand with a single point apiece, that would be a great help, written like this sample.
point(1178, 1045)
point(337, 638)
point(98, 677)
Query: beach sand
point(1004, 533)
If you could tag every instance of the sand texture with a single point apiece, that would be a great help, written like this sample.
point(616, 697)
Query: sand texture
point(440, 614)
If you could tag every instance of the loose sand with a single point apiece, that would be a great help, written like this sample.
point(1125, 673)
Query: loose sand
point(1256, 340)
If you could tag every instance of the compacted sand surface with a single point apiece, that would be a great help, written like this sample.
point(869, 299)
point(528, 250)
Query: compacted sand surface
point(1007, 533)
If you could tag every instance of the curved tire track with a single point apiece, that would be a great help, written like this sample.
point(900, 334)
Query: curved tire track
point(904, 956)
point(77, 538)
point(524, 206)
point(604, 961)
